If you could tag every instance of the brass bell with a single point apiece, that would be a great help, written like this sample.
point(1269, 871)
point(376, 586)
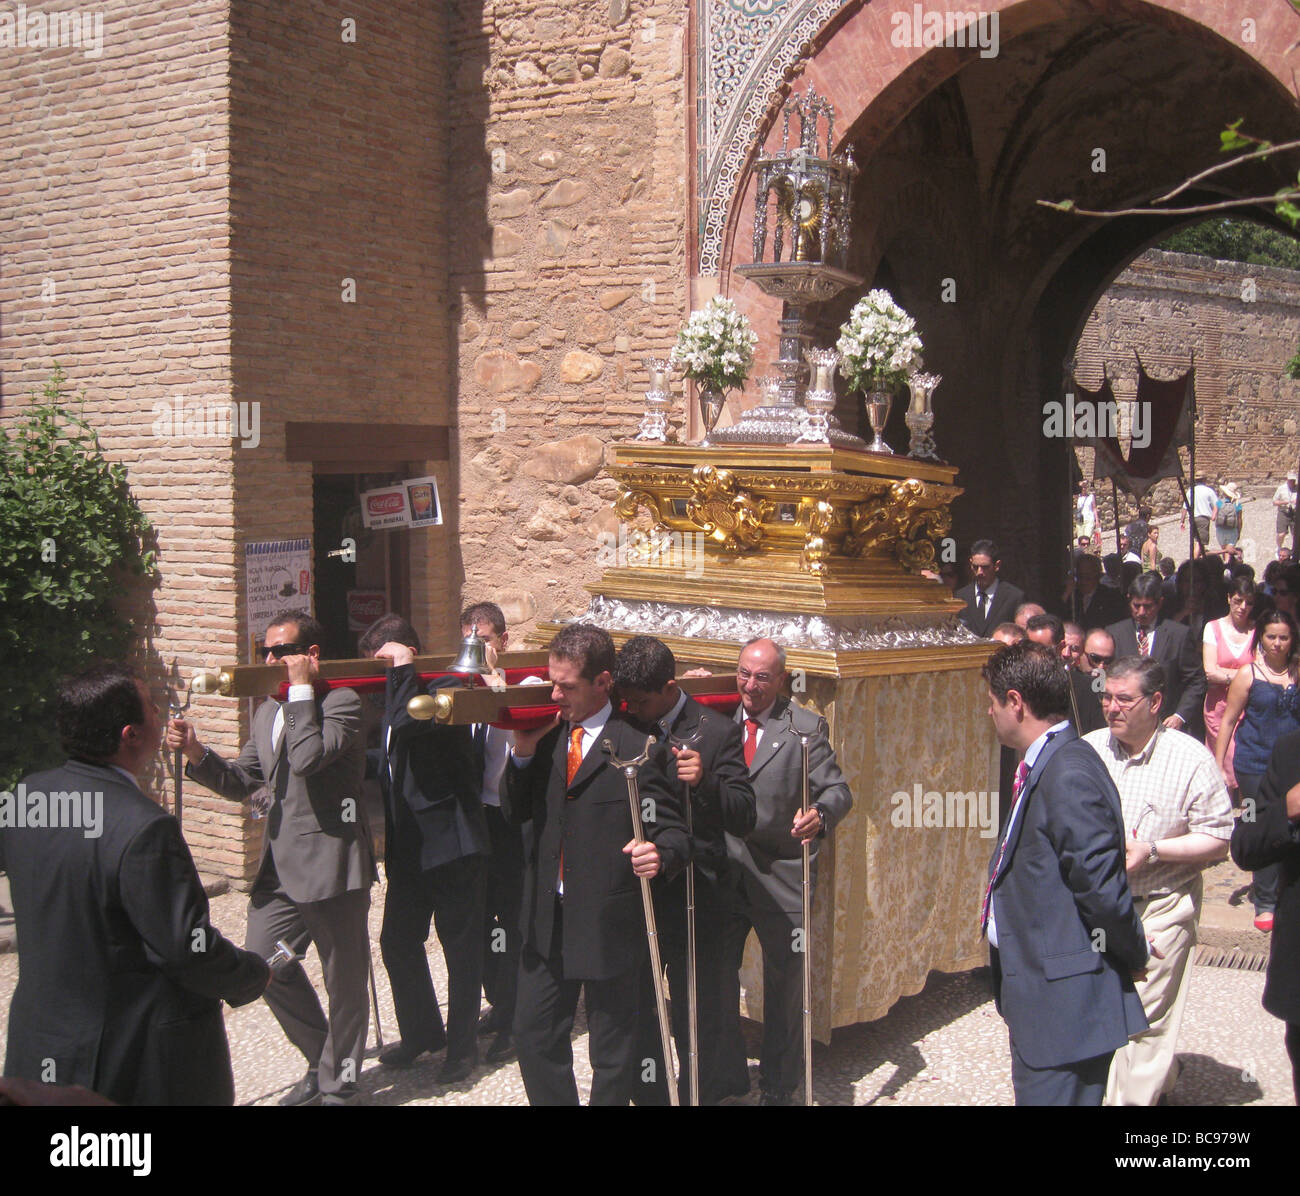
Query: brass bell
point(473, 657)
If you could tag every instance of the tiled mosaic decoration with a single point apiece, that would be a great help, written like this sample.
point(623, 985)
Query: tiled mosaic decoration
point(743, 50)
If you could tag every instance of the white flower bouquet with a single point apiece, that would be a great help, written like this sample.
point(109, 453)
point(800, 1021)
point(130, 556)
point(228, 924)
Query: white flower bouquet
point(878, 345)
point(716, 345)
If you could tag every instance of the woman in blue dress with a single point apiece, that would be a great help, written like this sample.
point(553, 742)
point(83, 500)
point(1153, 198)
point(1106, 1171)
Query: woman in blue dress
point(1266, 700)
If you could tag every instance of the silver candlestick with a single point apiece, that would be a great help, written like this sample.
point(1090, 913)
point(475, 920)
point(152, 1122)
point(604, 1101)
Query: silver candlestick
point(654, 423)
point(820, 400)
point(920, 417)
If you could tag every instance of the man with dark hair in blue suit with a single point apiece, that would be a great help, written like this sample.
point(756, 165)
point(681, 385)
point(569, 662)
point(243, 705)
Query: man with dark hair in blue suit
point(1065, 939)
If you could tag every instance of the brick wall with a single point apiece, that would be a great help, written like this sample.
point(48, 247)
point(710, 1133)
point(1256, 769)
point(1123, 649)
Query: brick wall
point(116, 264)
point(179, 215)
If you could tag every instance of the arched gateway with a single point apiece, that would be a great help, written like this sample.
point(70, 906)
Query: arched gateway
point(1111, 104)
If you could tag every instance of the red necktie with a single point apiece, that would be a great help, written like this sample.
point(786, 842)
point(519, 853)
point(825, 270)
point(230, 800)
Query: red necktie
point(1144, 641)
point(1021, 773)
point(751, 740)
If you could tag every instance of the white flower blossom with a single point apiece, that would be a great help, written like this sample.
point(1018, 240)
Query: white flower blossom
point(716, 345)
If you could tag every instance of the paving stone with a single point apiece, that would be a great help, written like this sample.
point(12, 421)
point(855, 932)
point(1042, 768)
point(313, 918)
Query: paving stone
point(944, 1046)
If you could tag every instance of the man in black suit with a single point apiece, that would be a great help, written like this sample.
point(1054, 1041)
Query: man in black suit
point(1087, 601)
point(501, 934)
point(989, 600)
point(122, 974)
point(1273, 837)
point(1088, 681)
point(722, 799)
point(436, 843)
point(1065, 939)
point(1146, 634)
point(584, 929)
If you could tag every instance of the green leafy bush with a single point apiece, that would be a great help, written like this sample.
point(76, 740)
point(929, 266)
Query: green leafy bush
point(70, 537)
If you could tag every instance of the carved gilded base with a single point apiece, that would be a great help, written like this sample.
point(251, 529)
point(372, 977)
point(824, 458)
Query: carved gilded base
point(778, 580)
point(814, 510)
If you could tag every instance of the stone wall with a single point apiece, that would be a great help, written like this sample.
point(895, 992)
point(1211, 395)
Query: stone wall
point(569, 255)
point(1240, 324)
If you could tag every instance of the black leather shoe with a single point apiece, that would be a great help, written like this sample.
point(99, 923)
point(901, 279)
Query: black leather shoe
point(402, 1054)
point(455, 1070)
point(303, 1092)
point(502, 1048)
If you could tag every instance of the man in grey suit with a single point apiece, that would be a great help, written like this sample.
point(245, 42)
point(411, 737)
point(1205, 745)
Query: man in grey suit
point(770, 896)
point(1065, 939)
point(306, 758)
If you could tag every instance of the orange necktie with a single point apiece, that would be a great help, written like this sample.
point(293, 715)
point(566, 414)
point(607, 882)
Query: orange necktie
point(575, 753)
point(574, 763)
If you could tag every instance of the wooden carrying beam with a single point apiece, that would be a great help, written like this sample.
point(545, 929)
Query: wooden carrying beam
point(268, 680)
point(522, 707)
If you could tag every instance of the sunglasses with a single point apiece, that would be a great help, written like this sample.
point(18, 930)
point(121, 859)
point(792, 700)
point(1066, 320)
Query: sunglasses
point(279, 651)
point(1096, 660)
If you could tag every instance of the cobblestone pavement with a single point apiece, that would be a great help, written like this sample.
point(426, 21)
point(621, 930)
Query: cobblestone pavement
point(944, 1046)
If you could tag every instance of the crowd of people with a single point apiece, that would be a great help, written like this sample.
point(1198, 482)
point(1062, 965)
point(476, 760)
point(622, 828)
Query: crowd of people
point(1186, 688)
point(1133, 715)
point(518, 847)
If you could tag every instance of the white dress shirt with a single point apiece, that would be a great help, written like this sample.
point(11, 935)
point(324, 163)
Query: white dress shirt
point(1030, 757)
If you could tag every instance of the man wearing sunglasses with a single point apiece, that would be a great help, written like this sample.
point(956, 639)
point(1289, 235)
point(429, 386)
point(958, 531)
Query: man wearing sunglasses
point(303, 766)
point(1088, 681)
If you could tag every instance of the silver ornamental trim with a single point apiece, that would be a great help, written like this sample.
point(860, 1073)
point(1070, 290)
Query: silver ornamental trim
point(728, 625)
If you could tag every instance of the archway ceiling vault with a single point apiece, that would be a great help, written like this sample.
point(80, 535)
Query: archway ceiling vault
point(999, 134)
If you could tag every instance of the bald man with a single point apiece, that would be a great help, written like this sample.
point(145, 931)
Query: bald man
point(770, 895)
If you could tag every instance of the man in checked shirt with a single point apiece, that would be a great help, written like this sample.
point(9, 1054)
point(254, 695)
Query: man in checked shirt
point(1177, 820)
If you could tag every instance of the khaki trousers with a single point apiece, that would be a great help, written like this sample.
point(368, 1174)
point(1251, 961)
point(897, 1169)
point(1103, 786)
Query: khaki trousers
point(1143, 1070)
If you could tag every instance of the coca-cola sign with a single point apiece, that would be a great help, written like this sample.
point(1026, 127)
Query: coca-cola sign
point(364, 607)
point(384, 504)
point(387, 507)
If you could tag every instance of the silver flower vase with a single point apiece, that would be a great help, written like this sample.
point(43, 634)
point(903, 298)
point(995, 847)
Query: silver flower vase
point(712, 399)
point(878, 404)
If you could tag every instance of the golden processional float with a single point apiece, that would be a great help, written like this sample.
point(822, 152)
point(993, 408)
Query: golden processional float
point(811, 536)
point(817, 539)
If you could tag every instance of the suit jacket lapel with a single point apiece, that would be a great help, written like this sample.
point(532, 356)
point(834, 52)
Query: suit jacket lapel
point(774, 737)
point(688, 719)
point(1164, 642)
point(597, 755)
point(1031, 783)
point(276, 751)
